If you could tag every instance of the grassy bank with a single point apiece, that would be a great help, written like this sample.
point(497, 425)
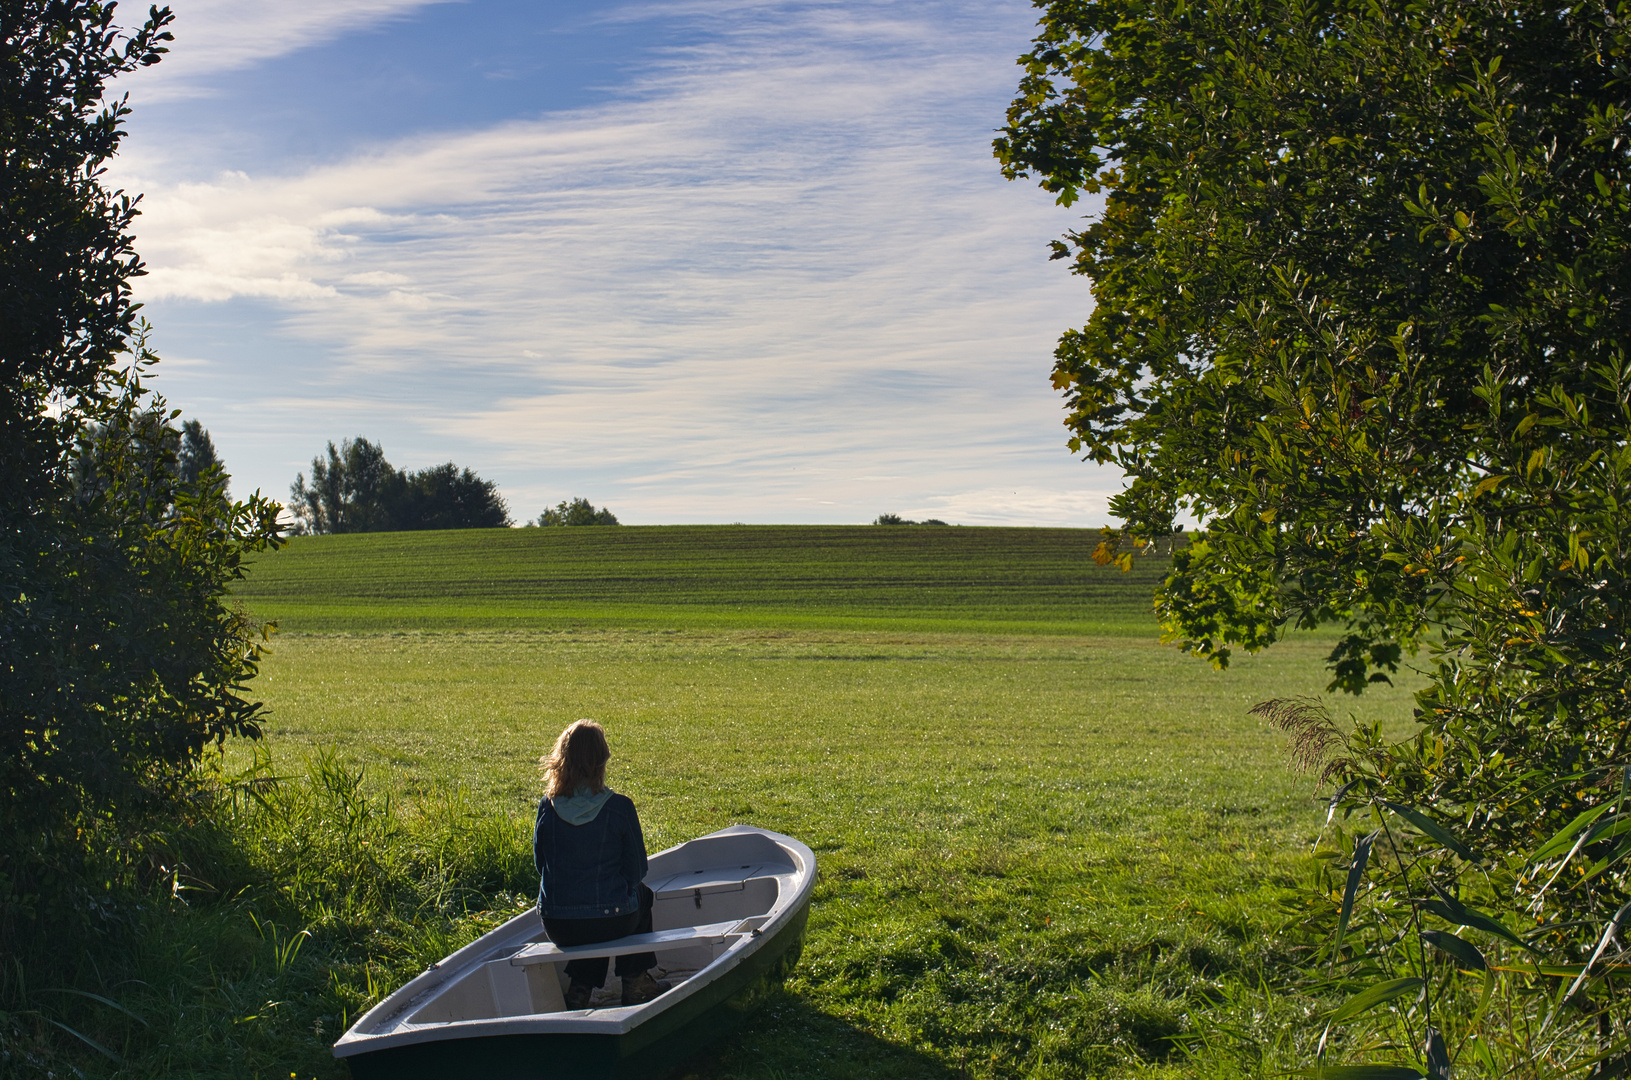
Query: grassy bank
point(1042, 854)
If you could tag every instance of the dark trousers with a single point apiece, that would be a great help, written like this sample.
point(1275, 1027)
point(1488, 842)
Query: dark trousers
point(610, 928)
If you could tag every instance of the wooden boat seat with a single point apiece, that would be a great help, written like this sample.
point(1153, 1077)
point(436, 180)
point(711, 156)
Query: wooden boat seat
point(547, 952)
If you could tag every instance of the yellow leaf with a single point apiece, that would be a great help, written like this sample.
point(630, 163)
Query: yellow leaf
point(1536, 460)
point(1486, 485)
point(1268, 515)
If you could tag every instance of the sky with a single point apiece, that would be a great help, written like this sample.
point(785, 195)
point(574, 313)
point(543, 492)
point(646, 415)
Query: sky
point(696, 261)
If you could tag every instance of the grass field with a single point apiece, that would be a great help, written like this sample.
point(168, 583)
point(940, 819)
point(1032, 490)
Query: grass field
point(715, 576)
point(1043, 853)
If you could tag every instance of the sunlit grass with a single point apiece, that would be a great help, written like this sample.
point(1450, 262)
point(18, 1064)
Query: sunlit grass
point(1038, 854)
point(704, 576)
point(1049, 845)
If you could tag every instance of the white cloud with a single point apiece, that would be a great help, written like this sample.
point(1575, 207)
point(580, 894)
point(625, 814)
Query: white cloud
point(782, 271)
point(376, 277)
point(1018, 506)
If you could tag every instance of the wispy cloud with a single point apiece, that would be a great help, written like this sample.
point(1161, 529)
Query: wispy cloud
point(779, 277)
point(220, 35)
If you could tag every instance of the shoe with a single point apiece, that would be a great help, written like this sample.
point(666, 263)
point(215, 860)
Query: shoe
point(641, 988)
point(577, 995)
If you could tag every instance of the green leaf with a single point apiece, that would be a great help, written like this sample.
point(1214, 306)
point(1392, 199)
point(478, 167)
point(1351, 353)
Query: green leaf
point(1621, 850)
point(1431, 828)
point(1562, 971)
point(1452, 910)
point(1356, 871)
point(1364, 1072)
point(1564, 838)
point(1336, 797)
point(97, 997)
point(1459, 948)
point(1373, 996)
point(90, 1042)
point(1437, 1055)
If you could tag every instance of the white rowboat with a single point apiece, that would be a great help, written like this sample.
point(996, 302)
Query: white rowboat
point(728, 923)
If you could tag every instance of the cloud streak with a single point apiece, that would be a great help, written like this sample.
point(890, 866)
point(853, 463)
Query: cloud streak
point(223, 35)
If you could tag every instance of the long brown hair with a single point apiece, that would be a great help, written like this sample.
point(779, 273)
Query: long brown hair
point(578, 760)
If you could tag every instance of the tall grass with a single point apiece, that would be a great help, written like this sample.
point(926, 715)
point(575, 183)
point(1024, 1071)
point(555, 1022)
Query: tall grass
point(284, 904)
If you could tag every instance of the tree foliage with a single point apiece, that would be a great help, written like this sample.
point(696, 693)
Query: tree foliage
point(196, 454)
point(896, 519)
point(1360, 280)
point(356, 490)
point(120, 658)
point(173, 458)
point(576, 512)
point(65, 249)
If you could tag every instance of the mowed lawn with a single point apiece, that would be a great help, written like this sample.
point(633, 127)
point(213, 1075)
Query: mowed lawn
point(1041, 852)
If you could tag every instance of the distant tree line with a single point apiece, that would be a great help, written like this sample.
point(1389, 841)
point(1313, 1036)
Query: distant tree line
point(354, 489)
point(896, 519)
point(576, 512)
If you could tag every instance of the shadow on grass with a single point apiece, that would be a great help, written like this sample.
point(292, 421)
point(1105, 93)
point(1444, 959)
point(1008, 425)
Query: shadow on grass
point(786, 1038)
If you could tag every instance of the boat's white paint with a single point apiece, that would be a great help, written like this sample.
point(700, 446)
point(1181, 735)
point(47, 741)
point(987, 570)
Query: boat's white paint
point(721, 876)
point(547, 952)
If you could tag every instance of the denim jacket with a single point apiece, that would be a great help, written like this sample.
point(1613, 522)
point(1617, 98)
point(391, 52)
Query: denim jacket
point(593, 870)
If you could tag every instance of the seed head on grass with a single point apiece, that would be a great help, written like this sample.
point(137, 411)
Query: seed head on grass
point(1313, 732)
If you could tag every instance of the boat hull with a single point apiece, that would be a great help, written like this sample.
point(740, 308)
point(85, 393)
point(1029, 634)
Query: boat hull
point(651, 1049)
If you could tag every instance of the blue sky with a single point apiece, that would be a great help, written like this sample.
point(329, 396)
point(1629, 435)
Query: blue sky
point(698, 261)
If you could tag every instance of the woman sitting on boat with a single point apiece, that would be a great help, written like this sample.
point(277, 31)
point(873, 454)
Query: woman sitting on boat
point(591, 861)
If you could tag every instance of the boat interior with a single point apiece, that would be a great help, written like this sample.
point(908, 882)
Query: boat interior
point(710, 893)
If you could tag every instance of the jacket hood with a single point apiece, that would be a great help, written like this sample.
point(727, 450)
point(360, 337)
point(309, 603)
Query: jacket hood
point(581, 807)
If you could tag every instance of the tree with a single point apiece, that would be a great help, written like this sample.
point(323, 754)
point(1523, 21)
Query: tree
point(65, 249)
point(351, 491)
point(120, 657)
point(1361, 310)
point(137, 451)
point(357, 490)
point(896, 519)
point(197, 452)
point(176, 459)
point(446, 497)
point(576, 512)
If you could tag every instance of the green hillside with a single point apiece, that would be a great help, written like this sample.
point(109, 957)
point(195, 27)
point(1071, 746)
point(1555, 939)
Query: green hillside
point(841, 577)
